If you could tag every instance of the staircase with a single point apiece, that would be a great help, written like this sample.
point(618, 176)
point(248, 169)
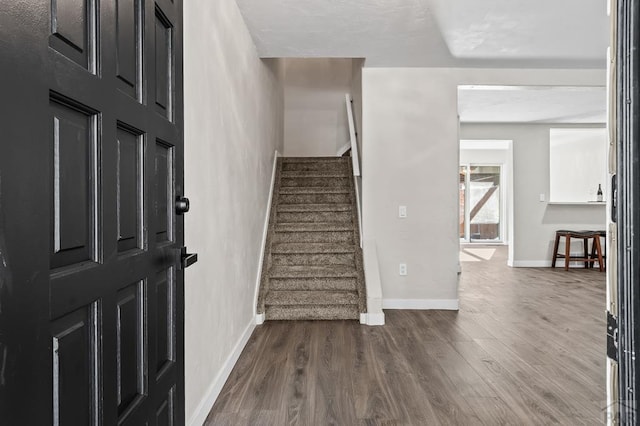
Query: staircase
point(312, 268)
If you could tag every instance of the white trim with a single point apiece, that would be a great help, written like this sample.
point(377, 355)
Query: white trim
point(265, 231)
point(359, 208)
point(545, 264)
point(260, 319)
point(374, 315)
point(423, 304)
point(372, 318)
point(346, 147)
point(206, 403)
point(532, 264)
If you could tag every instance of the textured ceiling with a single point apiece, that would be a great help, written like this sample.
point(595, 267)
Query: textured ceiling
point(487, 104)
point(501, 33)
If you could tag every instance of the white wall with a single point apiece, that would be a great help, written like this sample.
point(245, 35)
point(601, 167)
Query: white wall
point(233, 125)
point(410, 155)
point(535, 222)
point(483, 156)
point(315, 122)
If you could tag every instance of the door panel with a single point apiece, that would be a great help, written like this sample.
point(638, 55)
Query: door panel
point(73, 30)
point(164, 210)
point(164, 63)
point(130, 190)
point(165, 320)
point(75, 186)
point(165, 415)
point(76, 367)
point(91, 161)
point(129, 30)
point(131, 347)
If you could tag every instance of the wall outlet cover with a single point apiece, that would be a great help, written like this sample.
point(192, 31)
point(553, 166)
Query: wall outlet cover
point(403, 269)
point(402, 212)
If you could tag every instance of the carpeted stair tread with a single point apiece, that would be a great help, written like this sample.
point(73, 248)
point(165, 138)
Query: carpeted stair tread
point(288, 160)
point(313, 190)
point(318, 298)
point(315, 198)
point(340, 312)
point(312, 259)
point(314, 227)
point(313, 217)
point(327, 207)
point(315, 174)
point(289, 248)
point(315, 182)
point(313, 271)
point(313, 284)
point(346, 237)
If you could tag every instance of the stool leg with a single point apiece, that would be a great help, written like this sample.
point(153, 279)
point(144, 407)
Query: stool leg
point(585, 243)
point(598, 248)
point(594, 246)
point(567, 251)
point(555, 251)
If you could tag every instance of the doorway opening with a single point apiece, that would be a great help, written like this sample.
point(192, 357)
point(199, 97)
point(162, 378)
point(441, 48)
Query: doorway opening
point(481, 200)
point(485, 194)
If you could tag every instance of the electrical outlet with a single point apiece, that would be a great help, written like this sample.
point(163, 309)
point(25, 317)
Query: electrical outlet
point(402, 212)
point(403, 269)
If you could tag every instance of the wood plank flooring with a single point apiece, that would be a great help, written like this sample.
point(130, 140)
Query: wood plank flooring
point(526, 348)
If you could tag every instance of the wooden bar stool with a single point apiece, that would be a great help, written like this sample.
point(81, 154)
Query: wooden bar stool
point(588, 257)
point(602, 234)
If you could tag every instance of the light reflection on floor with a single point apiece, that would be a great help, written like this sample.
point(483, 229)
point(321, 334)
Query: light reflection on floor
point(472, 254)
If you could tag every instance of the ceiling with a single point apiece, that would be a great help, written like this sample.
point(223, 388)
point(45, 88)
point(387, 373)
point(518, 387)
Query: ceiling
point(531, 104)
point(442, 33)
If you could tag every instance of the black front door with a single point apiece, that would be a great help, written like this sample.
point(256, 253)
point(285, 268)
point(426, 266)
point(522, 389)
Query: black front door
point(625, 323)
point(91, 164)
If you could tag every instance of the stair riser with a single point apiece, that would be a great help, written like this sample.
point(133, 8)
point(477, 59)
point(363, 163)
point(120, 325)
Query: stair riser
point(312, 167)
point(347, 312)
point(312, 284)
point(313, 259)
point(330, 182)
point(311, 298)
point(289, 217)
point(302, 208)
point(314, 237)
point(313, 198)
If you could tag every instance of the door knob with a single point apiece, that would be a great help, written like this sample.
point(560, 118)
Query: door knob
point(182, 205)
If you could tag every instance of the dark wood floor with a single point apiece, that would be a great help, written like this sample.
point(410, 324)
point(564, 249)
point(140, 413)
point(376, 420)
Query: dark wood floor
point(526, 347)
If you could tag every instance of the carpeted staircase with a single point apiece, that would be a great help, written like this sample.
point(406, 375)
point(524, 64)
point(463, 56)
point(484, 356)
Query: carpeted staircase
point(312, 268)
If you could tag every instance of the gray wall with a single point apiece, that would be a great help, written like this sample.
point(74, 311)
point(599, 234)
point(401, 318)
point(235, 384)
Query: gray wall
point(315, 121)
point(233, 125)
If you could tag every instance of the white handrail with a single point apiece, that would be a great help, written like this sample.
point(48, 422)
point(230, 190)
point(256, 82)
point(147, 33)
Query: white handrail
point(355, 159)
point(352, 136)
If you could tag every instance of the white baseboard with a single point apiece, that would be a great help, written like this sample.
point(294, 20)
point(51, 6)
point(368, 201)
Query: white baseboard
point(544, 264)
point(423, 304)
point(343, 149)
point(370, 318)
point(265, 231)
point(531, 263)
point(260, 319)
point(206, 403)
